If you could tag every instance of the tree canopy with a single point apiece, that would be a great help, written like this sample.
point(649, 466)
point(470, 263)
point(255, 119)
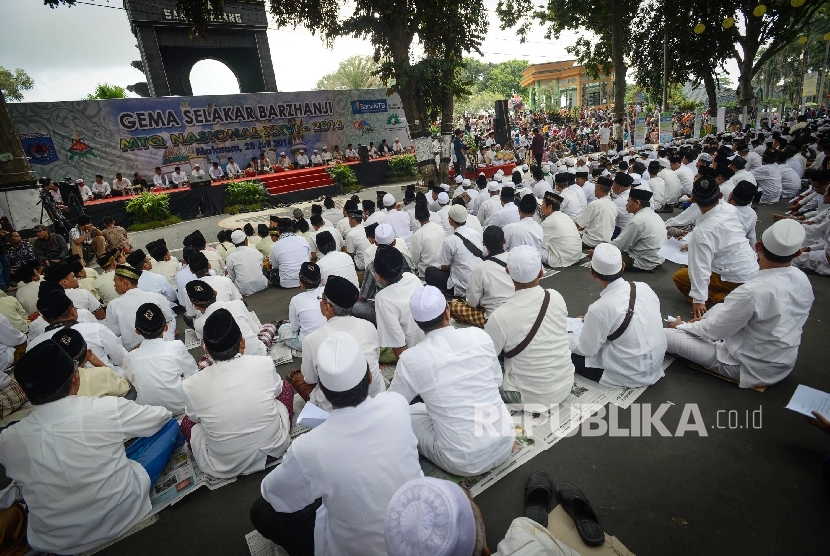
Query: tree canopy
point(13, 83)
point(106, 90)
point(355, 72)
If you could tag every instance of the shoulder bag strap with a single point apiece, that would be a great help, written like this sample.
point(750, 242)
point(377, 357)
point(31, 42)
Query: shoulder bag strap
point(533, 330)
point(628, 314)
point(469, 245)
point(497, 261)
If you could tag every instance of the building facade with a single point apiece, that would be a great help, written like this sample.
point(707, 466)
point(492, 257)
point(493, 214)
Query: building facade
point(557, 85)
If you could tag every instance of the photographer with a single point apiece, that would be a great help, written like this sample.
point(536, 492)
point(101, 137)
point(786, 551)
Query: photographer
point(86, 240)
point(49, 248)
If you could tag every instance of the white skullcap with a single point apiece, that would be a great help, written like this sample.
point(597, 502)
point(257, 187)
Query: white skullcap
point(500, 172)
point(282, 154)
point(430, 517)
point(482, 174)
point(783, 238)
point(607, 259)
point(79, 180)
point(493, 186)
point(637, 179)
point(458, 213)
point(525, 167)
point(443, 198)
point(388, 200)
point(466, 183)
point(384, 234)
point(459, 178)
point(612, 153)
point(664, 162)
point(340, 363)
point(498, 178)
point(445, 187)
point(238, 237)
point(524, 264)
point(427, 303)
point(546, 167)
point(315, 150)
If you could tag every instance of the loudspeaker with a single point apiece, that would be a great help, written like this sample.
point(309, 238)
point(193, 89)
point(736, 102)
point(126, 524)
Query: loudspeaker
point(502, 110)
point(363, 153)
point(500, 129)
point(194, 182)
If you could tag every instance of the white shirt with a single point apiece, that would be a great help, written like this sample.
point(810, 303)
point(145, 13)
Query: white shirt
point(160, 180)
point(168, 269)
point(244, 268)
point(364, 334)
point(623, 216)
point(86, 193)
point(248, 324)
point(748, 218)
point(82, 299)
point(39, 325)
point(454, 371)
point(199, 174)
point(488, 209)
point(337, 263)
point(214, 257)
point(103, 188)
point(216, 173)
point(760, 323)
point(768, 177)
point(288, 254)
point(540, 188)
point(542, 372)
point(121, 315)
point(27, 295)
point(580, 195)
point(239, 421)
point(10, 337)
point(460, 259)
point(156, 368)
point(686, 177)
point(376, 217)
point(634, 359)
point(570, 203)
point(401, 222)
point(790, 182)
point(507, 214)
point(356, 491)
point(658, 188)
point(598, 220)
point(561, 240)
point(178, 177)
point(100, 339)
point(304, 312)
point(753, 160)
point(490, 285)
point(338, 239)
point(233, 168)
point(524, 232)
point(356, 245)
point(149, 281)
point(425, 247)
point(718, 244)
point(589, 190)
point(643, 237)
point(80, 494)
point(673, 185)
point(396, 327)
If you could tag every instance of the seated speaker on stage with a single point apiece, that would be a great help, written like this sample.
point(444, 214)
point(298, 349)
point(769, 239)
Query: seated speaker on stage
point(178, 178)
point(316, 159)
point(216, 172)
point(284, 162)
point(351, 154)
point(160, 180)
point(250, 171)
point(139, 183)
point(263, 164)
point(232, 169)
point(100, 188)
point(301, 160)
point(198, 174)
point(121, 186)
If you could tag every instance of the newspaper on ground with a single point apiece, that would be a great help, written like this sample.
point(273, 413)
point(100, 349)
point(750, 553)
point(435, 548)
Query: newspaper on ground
point(190, 339)
point(574, 325)
point(671, 251)
point(548, 272)
point(281, 354)
point(260, 546)
point(805, 400)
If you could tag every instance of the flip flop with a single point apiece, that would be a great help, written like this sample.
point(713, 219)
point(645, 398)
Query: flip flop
point(578, 507)
point(538, 494)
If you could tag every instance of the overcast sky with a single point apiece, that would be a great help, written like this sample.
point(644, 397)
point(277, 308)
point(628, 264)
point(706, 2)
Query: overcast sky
point(68, 51)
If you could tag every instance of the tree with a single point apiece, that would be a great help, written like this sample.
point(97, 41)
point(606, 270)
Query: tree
point(105, 91)
point(476, 74)
point(505, 78)
point(355, 72)
point(603, 18)
point(12, 84)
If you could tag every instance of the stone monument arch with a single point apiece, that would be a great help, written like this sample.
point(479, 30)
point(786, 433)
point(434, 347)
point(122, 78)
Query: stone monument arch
point(238, 40)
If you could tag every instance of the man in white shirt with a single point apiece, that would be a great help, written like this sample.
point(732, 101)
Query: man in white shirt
point(597, 220)
point(27, 289)
point(657, 186)
point(490, 286)
point(356, 495)
point(351, 154)
point(753, 336)
point(320, 225)
point(356, 240)
point(753, 159)
point(156, 367)
point(232, 168)
point(301, 160)
point(178, 177)
point(741, 198)
point(720, 259)
point(768, 177)
point(121, 311)
point(333, 262)
point(400, 221)
point(224, 287)
point(244, 266)
point(673, 186)
point(541, 372)
point(644, 235)
point(287, 254)
point(509, 212)
point(159, 179)
point(684, 175)
point(570, 202)
point(62, 274)
point(489, 206)
point(162, 262)
point(427, 241)
point(581, 176)
point(105, 283)
point(526, 231)
point(326, 155)
point(621, 187)
point(100, 188)
point(80, 495)
point(460, 253)
point(198, 173)
point(396, 327)
point(304, 315)
point(150, 281)
point(614, 349)
point(237, 415)
point(120, 185)
point(216, 172)
point(339, 296)
point(457, 374)
point(86, 193)
point(738, 165)
point(316, 159)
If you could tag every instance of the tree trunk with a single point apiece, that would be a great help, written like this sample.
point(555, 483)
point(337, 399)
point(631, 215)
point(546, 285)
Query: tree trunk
point(750, 46)
point(17, 170)
point(617, 57)
point(711, 91)
point(447, 106)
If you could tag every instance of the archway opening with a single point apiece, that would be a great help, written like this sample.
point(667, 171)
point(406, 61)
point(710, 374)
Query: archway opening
point(212, 77)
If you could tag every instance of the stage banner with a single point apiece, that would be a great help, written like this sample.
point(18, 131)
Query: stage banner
point(639, 132)
point(87, 137)
point(666, 132)
point(696, 126)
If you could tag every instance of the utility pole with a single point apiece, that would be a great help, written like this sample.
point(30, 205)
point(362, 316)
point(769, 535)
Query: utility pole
point(665, 67)
point(821, 94)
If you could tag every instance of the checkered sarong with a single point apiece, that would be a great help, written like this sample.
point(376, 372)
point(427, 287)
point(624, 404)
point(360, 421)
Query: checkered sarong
point(459, 310)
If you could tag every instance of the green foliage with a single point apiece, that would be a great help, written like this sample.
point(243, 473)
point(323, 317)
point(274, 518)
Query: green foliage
point(12, 84)
point(245, 193)
point(343, 174)
point(404, 166)
point(475, 103)
point(105, 91)
point(355, 72)
point(149, 207)
point(506, 77)
point(252, 207)
point(488, 82)
point(154, 224)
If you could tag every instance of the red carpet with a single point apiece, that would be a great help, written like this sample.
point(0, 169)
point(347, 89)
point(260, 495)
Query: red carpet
point(296, 180)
